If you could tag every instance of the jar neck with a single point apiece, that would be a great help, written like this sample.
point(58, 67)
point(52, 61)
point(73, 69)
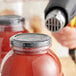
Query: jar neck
point(38, 50)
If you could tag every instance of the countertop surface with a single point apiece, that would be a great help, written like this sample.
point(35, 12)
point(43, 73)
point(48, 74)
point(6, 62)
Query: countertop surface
point(68, 66)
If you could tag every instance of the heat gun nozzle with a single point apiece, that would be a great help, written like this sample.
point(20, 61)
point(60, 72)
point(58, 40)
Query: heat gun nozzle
point(55, 21)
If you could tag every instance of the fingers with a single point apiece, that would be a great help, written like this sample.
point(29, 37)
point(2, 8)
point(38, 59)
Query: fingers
point(67, 31)
point(70, 44)
point(67, 37)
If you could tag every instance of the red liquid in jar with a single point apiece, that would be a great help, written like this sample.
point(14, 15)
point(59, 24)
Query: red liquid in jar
point(32, 65)
point(4, 39)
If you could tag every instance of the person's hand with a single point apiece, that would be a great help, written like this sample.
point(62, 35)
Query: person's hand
point(66, 37)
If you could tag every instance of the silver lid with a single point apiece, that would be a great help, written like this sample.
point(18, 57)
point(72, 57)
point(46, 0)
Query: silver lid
point(29, 40)
point(11, 19)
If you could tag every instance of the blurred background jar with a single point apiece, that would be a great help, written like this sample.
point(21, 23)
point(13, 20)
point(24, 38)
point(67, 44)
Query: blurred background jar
point(9, 26)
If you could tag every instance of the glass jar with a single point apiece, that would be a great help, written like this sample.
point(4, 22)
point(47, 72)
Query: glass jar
point(9, 26)
point(31, 56)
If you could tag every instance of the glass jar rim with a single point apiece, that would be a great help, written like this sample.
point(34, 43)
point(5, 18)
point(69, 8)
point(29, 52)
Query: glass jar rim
point(30, 40)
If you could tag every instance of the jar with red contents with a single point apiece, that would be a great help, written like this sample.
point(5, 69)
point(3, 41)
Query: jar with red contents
point(31, 56)
point(9, 26)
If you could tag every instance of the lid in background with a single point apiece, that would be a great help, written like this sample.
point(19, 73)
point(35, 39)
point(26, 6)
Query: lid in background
point(30, 40)
point(11, 20)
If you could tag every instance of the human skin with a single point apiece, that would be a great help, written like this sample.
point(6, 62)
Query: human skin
point(66, 37)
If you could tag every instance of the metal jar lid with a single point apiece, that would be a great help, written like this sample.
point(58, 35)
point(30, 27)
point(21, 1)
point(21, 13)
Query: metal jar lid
point(30, 40)
point(11, 19)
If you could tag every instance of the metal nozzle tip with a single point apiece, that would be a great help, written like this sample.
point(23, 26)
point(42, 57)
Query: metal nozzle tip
point(55, 21)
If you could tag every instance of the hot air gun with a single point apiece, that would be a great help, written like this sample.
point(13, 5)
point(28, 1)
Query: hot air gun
point(60, 13)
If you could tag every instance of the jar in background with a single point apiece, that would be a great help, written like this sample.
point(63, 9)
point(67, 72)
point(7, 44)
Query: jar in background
point(9, 26)
point(31, 56)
